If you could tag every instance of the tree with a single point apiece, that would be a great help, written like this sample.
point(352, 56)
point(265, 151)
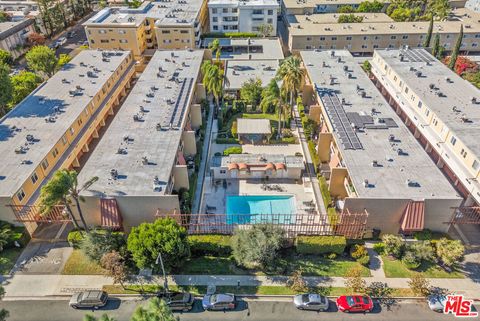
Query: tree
point(42, 59)
point(426, 43)
point(270, 97)
point(346, 9)
point(3, 313)
point(382, 292)
point(436, 46)
point(6, 89)
point(6, 235)
point(456, 50)
point(102, 4)
point(354, 281)
point(292, 75)
point(258, 246)
point(114, 265)
point(104, 317)
point(215, 47)
point(367, 6)
point(393, 245)
point(163, 236)
point(234, 129)
point(156, 310)
point(5, 57)
point(36, 39)
point(60, 189)
point(23, 84)
point(423, 250)
point(251, 91)
point(438, 8)
point(213, 77)
point(419, 285)
point(265, 29)
point(367, 66)
point(4, 17)
point(349, 18)
point(296, 282)
point(450, 251)
point(62, 60)
point(99, 242)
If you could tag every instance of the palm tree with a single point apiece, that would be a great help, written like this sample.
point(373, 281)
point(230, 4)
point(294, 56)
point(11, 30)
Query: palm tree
point(213, 78)
point(104, 317)
point(156, 309)
point(215, 47)
point(60, 189)
point(292, 74)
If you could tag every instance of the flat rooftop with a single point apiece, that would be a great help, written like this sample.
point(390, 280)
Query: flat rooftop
point(321, 18)
point(183, 12)
point(47, 114)
point(239, 71)
point(314, 3)
point(400, 157)
point(247, 3)
point(249, 49)
point(256, 159)
point(253, 126)
point(316, 24)
point(456, 101)
point(162, 96)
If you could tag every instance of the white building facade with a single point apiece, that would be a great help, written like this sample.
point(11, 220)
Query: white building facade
point(242, 16)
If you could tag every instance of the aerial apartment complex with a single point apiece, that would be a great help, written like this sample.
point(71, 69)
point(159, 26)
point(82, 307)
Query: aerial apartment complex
point(440, 109)
point(141, 159)
point(371, 160)
point(308, 7)
point(242, 15)
point(161, 24)
point(14, 35)
point(54, 126)
point(377, 30)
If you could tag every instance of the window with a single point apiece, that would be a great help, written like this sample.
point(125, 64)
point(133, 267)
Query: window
point(104, 41)
point(406, 90)
point(234, 10)
point(225, 10)
point(64, 140)
point(122, 32)
point(308, 47)
point(214, 10)
point(309, 38)
point(322, 38)
point(34, 178)
point(215, 19)
point(453, 140)
point(404, 37)
point(165, 31)
point(183, 31)
point(102, 31)
point(375, 46)
point(475, 165)
point(395, 78)
point(419, 104)
point(365, 38)
point(21, 195)
point(477, 36)
point(463, 153)
point(393, 37)
point(215, 28)
point(222, 171)
point(427, 112)
point(364, 46)
point(225, 27)
point(349, 38)
point(45, 164)
point(334, 38)
point(55, 152)
point(123, 41)
point(257, 11)
point(80, 122)
point(270, 12)
point(72, 131)
point(270, 21)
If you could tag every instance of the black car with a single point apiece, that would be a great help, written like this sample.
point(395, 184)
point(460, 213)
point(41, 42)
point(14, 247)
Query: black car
point(179, 301)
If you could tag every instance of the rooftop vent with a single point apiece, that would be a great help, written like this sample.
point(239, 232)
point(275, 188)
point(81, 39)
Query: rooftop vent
point(391, 138)
point(144, 160)
point(332, 53)
point(30, 138)
point(137, 117)
point(366, 183)
point(20, 150)
point(447, 79)
point(156, 184)
point(375, 163)
point(114, 173)
point(412, 183)
point(418, 74)
point(159, 126)
point(474, 100)
point(431, 86)
point(121, 151)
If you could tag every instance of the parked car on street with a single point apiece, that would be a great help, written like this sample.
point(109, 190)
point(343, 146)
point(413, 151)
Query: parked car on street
point(311, 301)
point(89, 299)
point(219, 302)
point(354, 303)
point(436, 302)
point(71, 34)
point(179, 301)
point(61, 41)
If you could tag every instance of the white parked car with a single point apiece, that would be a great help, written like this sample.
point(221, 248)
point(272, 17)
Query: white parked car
point(437, 302)
point(61, 41)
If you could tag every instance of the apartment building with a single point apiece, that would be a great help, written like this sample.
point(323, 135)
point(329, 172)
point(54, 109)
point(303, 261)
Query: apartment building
point(439, 108)
point(300, 7)
point(248, 49)
point(322, 31)
point(14, 36)
point(54, 126)
point(141, 159)
point(160, 24)
point(242, 16)
point(371, 160)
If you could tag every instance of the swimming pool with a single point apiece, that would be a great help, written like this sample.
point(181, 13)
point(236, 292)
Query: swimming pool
point(246, 209)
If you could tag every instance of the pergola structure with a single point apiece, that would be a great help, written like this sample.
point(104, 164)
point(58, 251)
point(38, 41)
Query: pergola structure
point(465, 215)
point(33, 214)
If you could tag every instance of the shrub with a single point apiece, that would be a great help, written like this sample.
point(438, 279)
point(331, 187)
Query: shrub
point(258, 246)
point(379, 248)
point(422, 250)
point(210, 244)
point(226, 140)
point(296, 282)
point(232, 150)
point(147, 240)
point(320, 244)
point(75, 238)
point(419, 285)
point(393, 245)
point(332, 256)
point(229, 35)
point(410, 260)
point(450, 251)
point(354, 281)
point(424, 235)
point(99, 242)
point(363, 260)
point(357, 251)
point(218, 154)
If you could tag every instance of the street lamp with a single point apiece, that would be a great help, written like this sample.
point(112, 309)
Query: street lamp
point(165, 282)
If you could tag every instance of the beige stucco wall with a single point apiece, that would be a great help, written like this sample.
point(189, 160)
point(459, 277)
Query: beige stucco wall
point(224, 173)
point(189, 143)
point(180, 174)
point(196, 116)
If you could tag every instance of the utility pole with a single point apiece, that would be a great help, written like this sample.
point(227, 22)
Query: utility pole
point(165, 282)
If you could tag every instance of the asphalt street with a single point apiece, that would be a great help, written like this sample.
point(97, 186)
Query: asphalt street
point(58, 310)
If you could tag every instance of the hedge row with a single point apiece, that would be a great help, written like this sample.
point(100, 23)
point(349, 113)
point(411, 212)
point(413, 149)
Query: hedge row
point(229, 35)
point(320, 244)
point(210, 244)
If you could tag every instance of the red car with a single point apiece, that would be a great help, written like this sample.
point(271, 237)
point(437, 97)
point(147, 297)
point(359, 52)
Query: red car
point(354, 303)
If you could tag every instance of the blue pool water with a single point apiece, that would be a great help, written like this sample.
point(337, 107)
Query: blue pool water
point(247, 209)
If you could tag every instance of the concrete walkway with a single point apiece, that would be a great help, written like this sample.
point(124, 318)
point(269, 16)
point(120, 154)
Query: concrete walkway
point(309, 163)
point(376, 263)
point(204, 161)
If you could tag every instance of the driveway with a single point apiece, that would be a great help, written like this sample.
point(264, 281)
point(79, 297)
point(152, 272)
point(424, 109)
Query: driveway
point(43, 257)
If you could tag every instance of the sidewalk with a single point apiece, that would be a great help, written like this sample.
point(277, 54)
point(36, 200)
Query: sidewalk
point(61, 285)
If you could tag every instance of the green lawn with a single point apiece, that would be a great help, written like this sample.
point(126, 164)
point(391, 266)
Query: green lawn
point(10, 255)
point(250, 290)
point(396, 269)
point(310, 266)
point(79, 264)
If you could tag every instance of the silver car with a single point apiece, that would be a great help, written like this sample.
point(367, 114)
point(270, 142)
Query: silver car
point(311, 301)
point(89, 299)
point(436, 302)
point(219, 301)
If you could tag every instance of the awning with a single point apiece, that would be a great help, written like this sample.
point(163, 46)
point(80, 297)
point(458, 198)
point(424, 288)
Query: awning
point(413, 218)
point(110, 215)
